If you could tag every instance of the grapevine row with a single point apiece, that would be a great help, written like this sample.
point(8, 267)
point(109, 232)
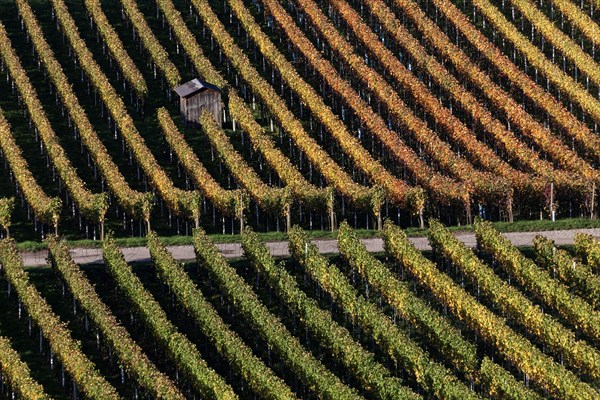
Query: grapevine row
point(558, 39)
point(588, 249)
point(434, 378)
point(571, 125)
point(230, 202)
point(305, 192)
point(184, 353)
point(363, 197)
point(18, 375)
point(301, 362)
point(116, 49)
point(537, 59)
point(482, 184)
point(68, 351)
point(575, 275)
point(134, 202)
point(553, 377)
point(413, 309)
point(538, 281)
point(513, 303)
point(580, 20)
point(228, 344)
point(481, 153)
point(442, 188)
point(397, 190)
point(181, 202)
point(275, 200)
point(45, 208)
point(469, 102)
point(92, 206)
point(127, 350)
point(371, 374)
point(159, 55)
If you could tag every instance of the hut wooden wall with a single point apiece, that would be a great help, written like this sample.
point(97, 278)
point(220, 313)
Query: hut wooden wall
point(192, 107)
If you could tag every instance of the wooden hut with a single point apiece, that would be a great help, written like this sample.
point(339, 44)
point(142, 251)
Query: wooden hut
point(196, 96)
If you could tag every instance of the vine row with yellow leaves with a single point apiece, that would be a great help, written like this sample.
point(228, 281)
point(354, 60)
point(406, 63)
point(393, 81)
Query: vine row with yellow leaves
point(577, 130)
point(18, 375)
point(275, 200)
point(370, 199)
point(92, 206)
point(159, 55)
point(514, 304)
point(229, 202)
point(134, 202)
point(46, 209)
point(116, 50)
point(578, 276)
point(440, 187)
point(537, 59)
point(588, 250)
point(181, 202)
point(77, 365)
point(552, 376)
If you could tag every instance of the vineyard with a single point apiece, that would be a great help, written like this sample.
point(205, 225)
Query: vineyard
point(343, 110)
point(333, 115)
point(453, 324)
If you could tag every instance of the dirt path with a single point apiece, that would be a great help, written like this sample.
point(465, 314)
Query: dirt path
point(234, 250)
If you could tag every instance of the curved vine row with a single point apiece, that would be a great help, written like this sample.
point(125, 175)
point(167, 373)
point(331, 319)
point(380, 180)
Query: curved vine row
point(116, 50)
point(588, 249)
point(134, 202)
point(92, 206)
point(45, 208)
point(181, 202)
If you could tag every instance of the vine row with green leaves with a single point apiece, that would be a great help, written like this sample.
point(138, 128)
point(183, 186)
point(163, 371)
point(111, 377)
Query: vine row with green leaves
point(301, 362)
point(572, 308)
point(372, 375)
point(588, 250)
point(184, 353)
point(433, 377)
point(576, 275)
point(77, 365)
point(514, 304)
point(127, 350)
point(228, 344)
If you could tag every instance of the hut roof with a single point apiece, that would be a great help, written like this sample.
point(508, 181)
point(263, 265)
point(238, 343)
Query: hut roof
point(194, 86)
